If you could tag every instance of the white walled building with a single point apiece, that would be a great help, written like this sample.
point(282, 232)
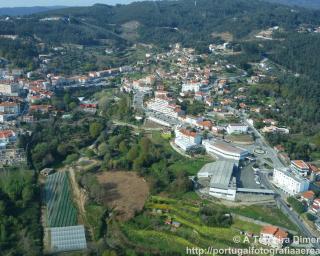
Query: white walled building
point(191, 120)
point(289, 182)
point(273, 236)
point(222, 181)
point(164, 106)
point(8, 88)
point(225, 150)
point(186, 139)
point(299, 167)
point(237, 128)
point(9, 108)
point(191, 87)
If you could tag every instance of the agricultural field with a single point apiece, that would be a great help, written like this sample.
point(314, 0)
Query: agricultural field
point(126, 192)
point(151, 232)
point(60, 209)
point(270, 214)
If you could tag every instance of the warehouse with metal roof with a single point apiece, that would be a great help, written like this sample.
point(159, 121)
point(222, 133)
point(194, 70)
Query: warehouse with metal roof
point(222, 181)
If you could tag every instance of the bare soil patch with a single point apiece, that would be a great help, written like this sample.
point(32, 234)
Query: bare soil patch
point(126, 192)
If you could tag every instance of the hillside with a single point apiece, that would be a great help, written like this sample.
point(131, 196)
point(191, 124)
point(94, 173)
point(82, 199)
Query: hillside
point(315, 4)
point(191, 23)
point(18, 11)
point(179, 20)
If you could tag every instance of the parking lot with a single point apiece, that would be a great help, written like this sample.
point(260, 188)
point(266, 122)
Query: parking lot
point(246, 177)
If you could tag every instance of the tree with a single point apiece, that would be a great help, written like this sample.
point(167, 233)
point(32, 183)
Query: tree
point(95, 129)
point(123, 147)
point(298, 206)
point(133, 153)
point(103, 148)
point(109, 253)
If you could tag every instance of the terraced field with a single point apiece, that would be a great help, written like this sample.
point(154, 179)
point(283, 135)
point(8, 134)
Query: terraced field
point(60, 210)
point(149, 230)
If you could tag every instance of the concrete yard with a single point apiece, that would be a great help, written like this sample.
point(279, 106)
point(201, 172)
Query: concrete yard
point(245, 178)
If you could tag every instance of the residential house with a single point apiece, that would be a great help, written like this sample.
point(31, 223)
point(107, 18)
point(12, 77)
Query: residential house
point(307, 196)
point(315, 207)
point(300, 167)
point(273, 236)
point(6, 137)
point(186, 139)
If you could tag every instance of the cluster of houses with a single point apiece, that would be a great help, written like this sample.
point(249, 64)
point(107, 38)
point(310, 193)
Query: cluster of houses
point(22, 97)
point(142, 85)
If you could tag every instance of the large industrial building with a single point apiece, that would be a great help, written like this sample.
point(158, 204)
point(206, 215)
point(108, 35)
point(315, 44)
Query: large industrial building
point(225, 150)
point(222, 180)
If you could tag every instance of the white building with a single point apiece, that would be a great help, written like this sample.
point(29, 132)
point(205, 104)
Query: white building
point(186, 139)
point(237, 128)
point(164, 106)
point(8, 88)
point(191, 87)
point(289, 182)
point(299, 167)
point(191, 120)
point(224, 150)
point(9, 108)
point(273, 236)
point(222, 181)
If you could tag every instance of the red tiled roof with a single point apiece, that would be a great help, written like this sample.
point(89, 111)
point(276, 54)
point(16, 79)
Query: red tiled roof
point(188, 133)
point(205, 123)
point(275, 231)
point(300, 164)
point(8, 104)
point(308, 194)
point(6, 134)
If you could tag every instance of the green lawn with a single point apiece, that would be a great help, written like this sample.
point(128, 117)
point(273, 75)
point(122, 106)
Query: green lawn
point(191, 166)
point(270, 214)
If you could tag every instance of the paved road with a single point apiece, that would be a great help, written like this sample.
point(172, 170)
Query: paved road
point(271, 153)
point(293, 216)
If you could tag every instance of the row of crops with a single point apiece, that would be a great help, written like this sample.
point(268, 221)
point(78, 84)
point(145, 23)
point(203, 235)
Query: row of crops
point(61, 211)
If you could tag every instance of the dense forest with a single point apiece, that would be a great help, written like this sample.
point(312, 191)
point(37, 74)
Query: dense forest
point(304, 3)
point(16, 11)
point(20, 228)
point(187, 21)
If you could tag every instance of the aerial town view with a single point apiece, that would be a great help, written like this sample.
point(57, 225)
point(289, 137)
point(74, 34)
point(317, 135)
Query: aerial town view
point(175, 127)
